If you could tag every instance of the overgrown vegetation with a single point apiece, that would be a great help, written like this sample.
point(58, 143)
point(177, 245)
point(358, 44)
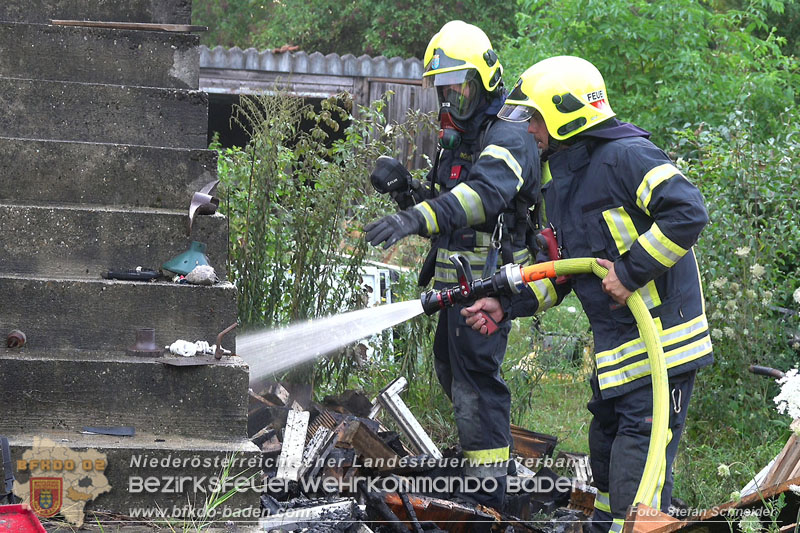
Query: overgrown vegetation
point(668, 64)
point(717, 83)
point(296, 201)
point(379, 27)
point(750, 260)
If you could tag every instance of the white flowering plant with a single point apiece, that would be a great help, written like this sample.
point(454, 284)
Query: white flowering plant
point(788, 400)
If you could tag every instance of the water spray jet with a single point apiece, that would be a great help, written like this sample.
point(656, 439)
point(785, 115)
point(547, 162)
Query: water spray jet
point(274, 351)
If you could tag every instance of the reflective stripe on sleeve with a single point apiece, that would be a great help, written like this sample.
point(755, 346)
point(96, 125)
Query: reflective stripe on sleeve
point(649, 294)
point(617, 525)
point(653, 179)
point(430, 217)
point(620, 224)
point(621, 227)
point(503, 154)
point(471, 203)
point(660, 247)
point(545, 293)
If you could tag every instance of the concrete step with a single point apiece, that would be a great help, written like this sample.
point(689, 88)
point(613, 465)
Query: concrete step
point(97, 389)
point(160, 11)
point(99, 55)
point(84, 241)
point(71, 111)
point(35, 171)
point(131, 460)
point(73, 389)
point(89, 314)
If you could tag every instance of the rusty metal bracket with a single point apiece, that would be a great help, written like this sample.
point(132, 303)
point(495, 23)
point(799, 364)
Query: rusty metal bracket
point(218, 351)
point(203, 203)
point(16, 339)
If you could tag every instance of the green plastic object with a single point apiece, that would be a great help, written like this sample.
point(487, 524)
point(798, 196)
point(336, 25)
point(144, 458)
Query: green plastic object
point(186, 262)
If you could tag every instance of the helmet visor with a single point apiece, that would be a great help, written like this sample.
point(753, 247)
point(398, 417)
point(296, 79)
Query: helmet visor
point(460, 99)
point(515, 113)
point(442, 62)
point(446, 78)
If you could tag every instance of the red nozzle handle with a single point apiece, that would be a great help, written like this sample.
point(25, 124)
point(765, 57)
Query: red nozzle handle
point(491, 325)
point(552, 244)
point(549, 237)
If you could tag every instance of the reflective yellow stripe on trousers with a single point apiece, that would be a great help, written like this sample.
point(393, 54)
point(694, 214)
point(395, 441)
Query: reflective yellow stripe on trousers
point(487, 456)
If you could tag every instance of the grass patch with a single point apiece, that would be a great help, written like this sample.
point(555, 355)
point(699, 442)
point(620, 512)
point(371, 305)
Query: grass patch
point(560, 410)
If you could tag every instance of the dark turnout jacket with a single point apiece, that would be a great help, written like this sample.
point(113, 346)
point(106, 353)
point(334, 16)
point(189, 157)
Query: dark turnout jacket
point(473, 185)
point(624, 200)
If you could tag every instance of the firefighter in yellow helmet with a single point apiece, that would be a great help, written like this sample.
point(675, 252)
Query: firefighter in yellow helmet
point(485, 176)
point(610, 193)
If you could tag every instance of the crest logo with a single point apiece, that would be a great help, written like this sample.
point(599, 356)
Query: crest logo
point(435, 62)
point(46, 495)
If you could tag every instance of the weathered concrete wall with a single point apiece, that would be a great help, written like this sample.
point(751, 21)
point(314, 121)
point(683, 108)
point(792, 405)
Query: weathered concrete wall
point(160, 11)
point(51, 392)
point(71, 111)
point(106, 174)
point(79, 241)
point(99, 55)
point(72, 314)
point(96, 172)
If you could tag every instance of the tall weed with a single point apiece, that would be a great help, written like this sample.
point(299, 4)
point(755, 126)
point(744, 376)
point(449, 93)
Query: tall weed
point(296, 199)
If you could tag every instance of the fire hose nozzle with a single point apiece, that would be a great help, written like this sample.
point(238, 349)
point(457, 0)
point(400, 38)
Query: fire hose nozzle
point(432, 302)
point(508, 281)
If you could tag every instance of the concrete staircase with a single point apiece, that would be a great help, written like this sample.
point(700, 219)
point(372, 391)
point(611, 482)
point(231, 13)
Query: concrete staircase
point(101, 147)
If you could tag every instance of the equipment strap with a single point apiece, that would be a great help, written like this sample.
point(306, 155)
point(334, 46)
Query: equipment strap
point(490, 266)
point(8, 485)
point(495, 244)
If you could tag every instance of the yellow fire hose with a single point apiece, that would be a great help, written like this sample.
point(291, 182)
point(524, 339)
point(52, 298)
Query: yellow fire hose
point(648, 492)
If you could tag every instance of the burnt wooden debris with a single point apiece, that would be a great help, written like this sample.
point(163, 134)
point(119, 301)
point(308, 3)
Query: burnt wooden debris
point(353, 464)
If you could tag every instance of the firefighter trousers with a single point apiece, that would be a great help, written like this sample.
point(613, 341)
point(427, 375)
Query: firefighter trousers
point(619, 437)
point(467, 365)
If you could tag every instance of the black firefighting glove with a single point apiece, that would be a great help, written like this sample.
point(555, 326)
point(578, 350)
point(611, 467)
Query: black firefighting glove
point(390, 229)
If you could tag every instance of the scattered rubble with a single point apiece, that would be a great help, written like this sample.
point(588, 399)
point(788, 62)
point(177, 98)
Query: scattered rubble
point(202, 275)
point(334, 466)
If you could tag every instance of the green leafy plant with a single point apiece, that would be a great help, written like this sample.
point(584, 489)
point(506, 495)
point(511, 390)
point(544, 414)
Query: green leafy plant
point(296, 198)
point(667, 64)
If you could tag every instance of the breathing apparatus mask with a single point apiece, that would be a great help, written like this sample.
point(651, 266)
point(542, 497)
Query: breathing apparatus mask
point(460, 94)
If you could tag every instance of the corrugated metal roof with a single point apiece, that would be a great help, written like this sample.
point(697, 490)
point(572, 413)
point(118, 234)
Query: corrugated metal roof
point(315, 63)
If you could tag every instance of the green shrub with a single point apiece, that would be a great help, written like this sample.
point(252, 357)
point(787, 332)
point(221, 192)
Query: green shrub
point(749, 256)
point(666, 63)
